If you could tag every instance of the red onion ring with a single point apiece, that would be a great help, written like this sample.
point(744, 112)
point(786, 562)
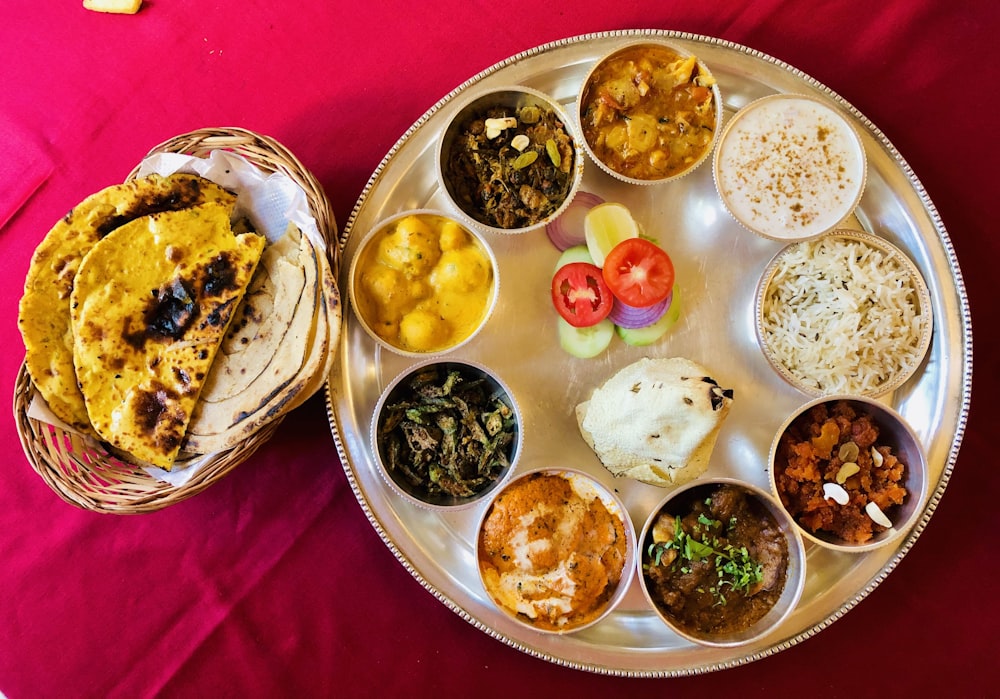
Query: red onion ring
point(566, 230)
point(630, 317)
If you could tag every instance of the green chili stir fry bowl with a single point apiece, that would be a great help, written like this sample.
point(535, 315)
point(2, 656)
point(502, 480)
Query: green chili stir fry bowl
point(446, 434)
point(712, 574)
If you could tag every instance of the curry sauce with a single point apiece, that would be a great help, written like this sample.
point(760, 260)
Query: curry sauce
point(424, 284)
point(649, 113)
point(716, 561)
point(550, 553)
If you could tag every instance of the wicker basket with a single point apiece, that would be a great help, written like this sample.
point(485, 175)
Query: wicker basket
point(87, 475)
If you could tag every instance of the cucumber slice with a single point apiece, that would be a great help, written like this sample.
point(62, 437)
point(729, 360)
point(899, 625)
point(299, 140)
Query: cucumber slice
point(586, 342)
point(639, 337)
point(577, 253)
point(605, 226)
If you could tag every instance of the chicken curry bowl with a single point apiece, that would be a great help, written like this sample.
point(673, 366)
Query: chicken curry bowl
point(721, 563)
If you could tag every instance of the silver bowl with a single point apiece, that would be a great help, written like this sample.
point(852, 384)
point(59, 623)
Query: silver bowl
point(362, 263)
point(853, 361)
point(894, 432)
point(677, 504)
point(549, 574)
point(589, 93)
point(510, 100)
point(790, 167)
point(399, 390)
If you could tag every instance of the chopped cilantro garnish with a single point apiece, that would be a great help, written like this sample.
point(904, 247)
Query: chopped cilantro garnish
point(734, 567)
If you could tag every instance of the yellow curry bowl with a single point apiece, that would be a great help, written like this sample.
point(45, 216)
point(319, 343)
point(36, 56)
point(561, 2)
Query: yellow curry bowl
point(422, 284)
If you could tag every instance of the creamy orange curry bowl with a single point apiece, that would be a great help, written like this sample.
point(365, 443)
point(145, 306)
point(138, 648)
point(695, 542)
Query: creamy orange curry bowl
point(556, 550)
point(422, 283)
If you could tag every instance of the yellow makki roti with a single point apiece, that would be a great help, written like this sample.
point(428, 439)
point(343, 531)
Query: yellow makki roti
point(44, 313)
point(150, 305)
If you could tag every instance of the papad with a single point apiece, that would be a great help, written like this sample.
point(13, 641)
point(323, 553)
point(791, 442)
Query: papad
point(656, 420)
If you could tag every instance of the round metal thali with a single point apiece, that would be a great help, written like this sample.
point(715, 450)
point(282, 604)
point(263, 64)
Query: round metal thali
point(718, 266)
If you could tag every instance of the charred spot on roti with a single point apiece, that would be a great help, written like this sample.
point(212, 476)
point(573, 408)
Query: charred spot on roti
point(169, 312)
point(220, 275)
point(219, 317)
point(155, 414)
point(186, 193)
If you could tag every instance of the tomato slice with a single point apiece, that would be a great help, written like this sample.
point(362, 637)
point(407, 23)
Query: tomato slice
point(581, 295)
point(639, 272)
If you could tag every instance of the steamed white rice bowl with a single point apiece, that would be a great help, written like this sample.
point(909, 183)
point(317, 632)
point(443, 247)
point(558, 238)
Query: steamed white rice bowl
point(843, 316)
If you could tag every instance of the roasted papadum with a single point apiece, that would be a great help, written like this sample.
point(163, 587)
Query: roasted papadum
point(150, 305)
point(656, 420)
point(44, 313)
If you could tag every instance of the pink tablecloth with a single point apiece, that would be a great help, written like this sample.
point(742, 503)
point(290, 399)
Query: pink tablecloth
point(273, 582)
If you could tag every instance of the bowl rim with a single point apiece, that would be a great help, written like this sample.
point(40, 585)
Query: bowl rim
point(458, 503)
point(680, 51)
point(615, 505)
point(483, 93)
point(920, 288)
point(855, 137)
point(795, 575)
point(919, 472)
point(378, 228)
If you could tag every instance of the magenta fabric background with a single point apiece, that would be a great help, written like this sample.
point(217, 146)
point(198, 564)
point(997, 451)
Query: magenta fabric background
point(273, 583)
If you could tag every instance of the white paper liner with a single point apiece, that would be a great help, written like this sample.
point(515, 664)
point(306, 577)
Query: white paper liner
point(269, 200)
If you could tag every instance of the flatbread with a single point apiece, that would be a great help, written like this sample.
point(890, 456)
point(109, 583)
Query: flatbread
point(293, 370)
point(656, 420)
point(150, 305)
point(267, 321)
point(330, 303)
point(44, 312)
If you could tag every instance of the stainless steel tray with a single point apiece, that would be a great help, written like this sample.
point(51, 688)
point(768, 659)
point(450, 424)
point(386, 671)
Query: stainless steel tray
point(718, 265)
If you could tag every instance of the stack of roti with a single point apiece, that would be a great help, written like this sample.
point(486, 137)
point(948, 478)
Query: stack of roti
point(656, 420)
point(155, 323)
point(279, 349)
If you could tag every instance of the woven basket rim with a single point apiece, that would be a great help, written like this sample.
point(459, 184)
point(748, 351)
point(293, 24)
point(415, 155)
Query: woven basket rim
point(85, 474)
